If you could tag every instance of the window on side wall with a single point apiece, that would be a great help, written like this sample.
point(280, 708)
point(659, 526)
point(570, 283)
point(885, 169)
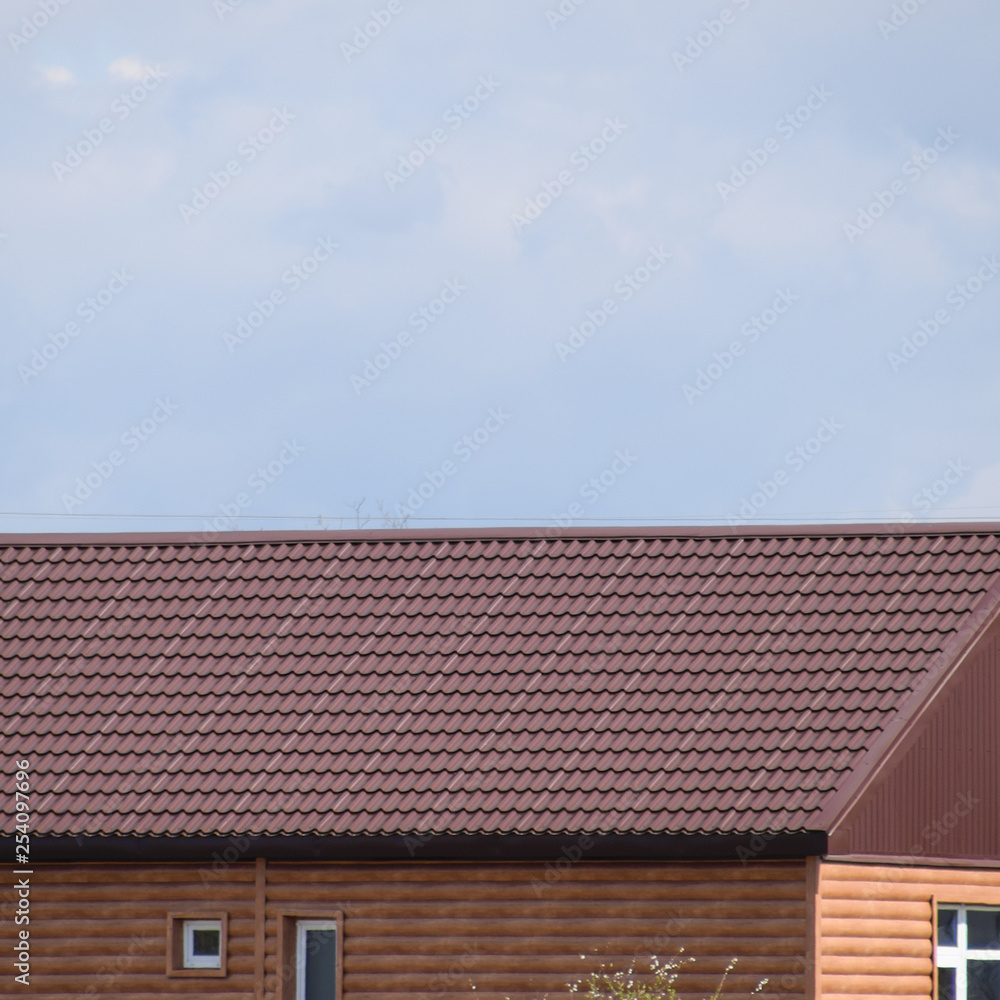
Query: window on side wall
point(202, 944)
point(316, 960)
point(196, 944)
point(309, 951)
point(968, 952)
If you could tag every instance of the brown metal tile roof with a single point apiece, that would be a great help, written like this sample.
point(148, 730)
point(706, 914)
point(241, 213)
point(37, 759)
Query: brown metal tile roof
point(695, 681)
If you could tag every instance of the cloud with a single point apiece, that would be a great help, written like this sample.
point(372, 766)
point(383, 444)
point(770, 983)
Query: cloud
point(57, 76)
point(325, 176)
point(971, 191)
point(128, 68)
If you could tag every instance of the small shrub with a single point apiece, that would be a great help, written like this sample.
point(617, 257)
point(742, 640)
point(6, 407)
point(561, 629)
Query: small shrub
point(625, 985)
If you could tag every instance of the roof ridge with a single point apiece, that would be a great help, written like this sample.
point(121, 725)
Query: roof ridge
point(532, 533)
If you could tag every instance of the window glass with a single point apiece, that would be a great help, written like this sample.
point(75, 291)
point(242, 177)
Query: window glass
point(205, 942)
point(984, 980)
point(946, 984)
point(947, 927)
point(321, 965)
point(984, 928)
point(316, 950)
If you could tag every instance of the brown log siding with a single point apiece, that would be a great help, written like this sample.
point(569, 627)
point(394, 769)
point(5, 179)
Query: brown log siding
point(437, 930)
point(100, 930)
point(876, 925)
point(429, 931)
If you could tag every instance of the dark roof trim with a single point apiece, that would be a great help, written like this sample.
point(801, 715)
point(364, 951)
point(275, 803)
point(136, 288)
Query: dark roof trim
point(525, 533)
point(215, 851)
point(913, 861)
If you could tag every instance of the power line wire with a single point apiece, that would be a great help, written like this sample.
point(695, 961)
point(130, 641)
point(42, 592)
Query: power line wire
point(941, 513)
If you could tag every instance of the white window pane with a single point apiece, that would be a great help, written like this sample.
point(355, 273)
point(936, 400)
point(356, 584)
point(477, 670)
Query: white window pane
point(202, 944)
point(968, 953)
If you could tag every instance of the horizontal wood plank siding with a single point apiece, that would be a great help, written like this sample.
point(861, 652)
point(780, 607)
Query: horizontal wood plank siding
point(100, 930)
point(876, 923)
point(427, 931)
point(434, 931)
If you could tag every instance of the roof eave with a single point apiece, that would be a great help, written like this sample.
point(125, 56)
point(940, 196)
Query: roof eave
point(741, 848)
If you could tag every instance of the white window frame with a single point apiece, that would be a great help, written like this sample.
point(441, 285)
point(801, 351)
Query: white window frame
point(193, 961)
point(958, 955)
point(301, 927)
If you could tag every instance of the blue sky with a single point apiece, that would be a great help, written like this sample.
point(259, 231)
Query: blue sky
point(486, 263)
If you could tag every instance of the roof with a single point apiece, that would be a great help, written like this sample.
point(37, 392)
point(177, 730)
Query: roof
point(480, 682)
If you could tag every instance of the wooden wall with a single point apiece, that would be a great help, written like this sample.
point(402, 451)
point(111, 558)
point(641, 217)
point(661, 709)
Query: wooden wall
point(436, 930)
point(876, 925)
point(100, 930)
point(429, 931)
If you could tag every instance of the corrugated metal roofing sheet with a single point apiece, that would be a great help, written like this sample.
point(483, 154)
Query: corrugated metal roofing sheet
point(477, 682)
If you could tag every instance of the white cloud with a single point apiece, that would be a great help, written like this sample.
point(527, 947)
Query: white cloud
point(971, 191)
point(128, 68)
point(325, 176)
point(777, 218)
point(57, 76)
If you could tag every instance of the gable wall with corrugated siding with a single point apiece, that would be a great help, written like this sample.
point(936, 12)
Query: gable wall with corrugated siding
point(939, 796)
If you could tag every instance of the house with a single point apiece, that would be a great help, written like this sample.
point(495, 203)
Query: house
point(422, 763)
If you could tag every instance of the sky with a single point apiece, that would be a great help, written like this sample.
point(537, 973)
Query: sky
point(293, 264)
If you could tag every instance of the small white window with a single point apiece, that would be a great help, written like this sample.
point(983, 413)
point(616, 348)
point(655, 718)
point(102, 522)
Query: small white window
point(968, 953)
point(316, 960)
point(202, 944)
